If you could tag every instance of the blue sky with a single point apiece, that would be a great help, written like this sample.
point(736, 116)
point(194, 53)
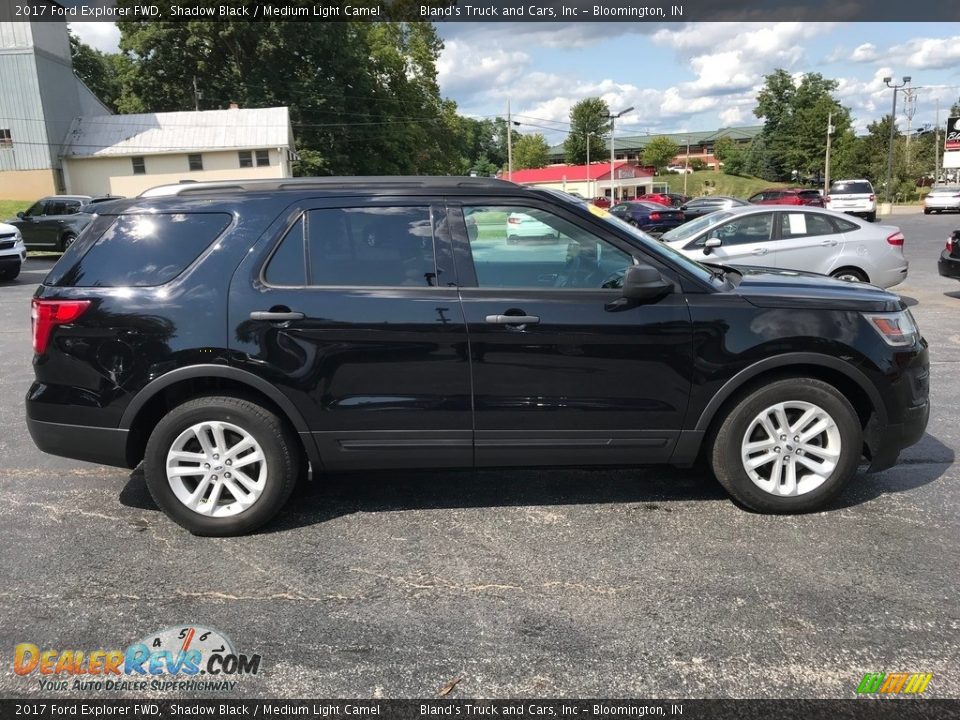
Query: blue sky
point(679, 77)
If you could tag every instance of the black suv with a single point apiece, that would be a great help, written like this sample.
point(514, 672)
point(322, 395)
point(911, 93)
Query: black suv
point(228, 334)
point(52, 223)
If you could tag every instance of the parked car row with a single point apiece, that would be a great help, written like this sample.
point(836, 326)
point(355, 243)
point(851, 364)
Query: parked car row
point(53, 223)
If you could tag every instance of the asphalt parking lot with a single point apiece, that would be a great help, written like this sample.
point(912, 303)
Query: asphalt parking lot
point(645, 583)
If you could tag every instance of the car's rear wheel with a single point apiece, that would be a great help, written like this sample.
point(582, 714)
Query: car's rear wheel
point(850, 275)
point(790, 446)
point(872, 217)
point(10, 273)
point(66, 241)
point(927, 211)
point(221, 465)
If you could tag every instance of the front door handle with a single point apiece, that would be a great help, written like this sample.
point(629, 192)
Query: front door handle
point(828, 242)
point(760, 251)
point(271, 316)
point(513, 319)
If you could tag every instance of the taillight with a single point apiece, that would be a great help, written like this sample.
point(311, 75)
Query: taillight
point(513, 220)
point(47, 314)
point(828, 198)
point(654, 215)
point(896, 239)
point(873, 198)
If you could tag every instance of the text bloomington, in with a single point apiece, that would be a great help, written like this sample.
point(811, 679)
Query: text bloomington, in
point(535, 11)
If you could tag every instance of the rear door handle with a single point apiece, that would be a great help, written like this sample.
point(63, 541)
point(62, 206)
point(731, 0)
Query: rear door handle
point(828, 242)
point(276, 316)
point(760, 251)
point(513, 319)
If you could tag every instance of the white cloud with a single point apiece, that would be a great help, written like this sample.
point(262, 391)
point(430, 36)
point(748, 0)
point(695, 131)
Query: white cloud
point(104, 36)
point(466, 69)
point(927, 53)
point(864, 53)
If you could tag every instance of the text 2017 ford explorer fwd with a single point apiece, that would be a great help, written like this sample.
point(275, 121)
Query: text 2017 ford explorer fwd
point(226, 335)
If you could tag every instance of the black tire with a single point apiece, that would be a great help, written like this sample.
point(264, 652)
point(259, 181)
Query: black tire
point(872, 217)
point(927, 211)
point(10, 273)
point(280, 448)
point(858, 274)
point(66, 241)
point(725, 453)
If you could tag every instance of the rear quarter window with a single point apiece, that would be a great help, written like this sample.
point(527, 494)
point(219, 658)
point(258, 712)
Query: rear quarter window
point(137, 250)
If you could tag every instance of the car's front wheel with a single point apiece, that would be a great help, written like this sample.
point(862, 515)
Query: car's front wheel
point(790, 446)
point(10, 273)
point(66, 241)
point(221, 465)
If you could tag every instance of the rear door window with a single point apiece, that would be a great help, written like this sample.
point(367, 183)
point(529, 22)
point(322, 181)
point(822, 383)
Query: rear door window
point(138, 250)
point(803, 224)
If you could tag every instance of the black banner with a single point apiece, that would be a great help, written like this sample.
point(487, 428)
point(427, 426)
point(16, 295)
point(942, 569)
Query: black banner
point(862, 709)
point(952, 139)
point(543, 11)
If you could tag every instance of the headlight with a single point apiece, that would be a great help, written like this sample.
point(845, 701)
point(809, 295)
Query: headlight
point(898, 329)
point(17, 237)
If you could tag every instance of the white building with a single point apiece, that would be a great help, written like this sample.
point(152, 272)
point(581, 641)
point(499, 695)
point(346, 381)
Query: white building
point(57, 137)
point(126, 154)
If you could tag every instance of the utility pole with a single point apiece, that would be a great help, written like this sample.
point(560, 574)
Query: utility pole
point(686, 166)
point(909, 109)
point(509, 144)
point(936, 147)
point(588, 135)
point(826, 172)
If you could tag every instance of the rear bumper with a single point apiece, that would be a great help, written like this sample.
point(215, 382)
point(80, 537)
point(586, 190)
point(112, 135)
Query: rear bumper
point(106, 446)
point(948, 266)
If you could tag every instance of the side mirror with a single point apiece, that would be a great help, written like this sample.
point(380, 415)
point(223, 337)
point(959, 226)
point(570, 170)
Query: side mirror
point(712, 242)
point(20, 214)
point(642, 282)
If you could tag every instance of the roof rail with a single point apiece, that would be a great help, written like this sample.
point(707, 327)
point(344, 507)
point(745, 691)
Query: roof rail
point(323, 183)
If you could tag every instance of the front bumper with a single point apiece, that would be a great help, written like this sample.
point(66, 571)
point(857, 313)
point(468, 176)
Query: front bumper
point(948, 266)
point(908, 411)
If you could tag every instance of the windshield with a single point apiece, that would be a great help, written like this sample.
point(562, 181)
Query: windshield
point(694, 227)
point(657, 248)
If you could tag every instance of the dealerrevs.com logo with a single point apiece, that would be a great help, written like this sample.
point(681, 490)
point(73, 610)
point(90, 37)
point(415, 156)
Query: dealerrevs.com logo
point(183, 658)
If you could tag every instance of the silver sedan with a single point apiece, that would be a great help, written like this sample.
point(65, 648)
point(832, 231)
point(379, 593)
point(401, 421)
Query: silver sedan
point(940, 199)
point(807, 239)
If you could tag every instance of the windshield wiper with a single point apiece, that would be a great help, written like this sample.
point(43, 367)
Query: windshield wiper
point(720, 271)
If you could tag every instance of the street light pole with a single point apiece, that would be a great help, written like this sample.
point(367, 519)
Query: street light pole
point(612, 118)
point(686, 166)
point(826, 166)
point(588, 136)
point(893, 125)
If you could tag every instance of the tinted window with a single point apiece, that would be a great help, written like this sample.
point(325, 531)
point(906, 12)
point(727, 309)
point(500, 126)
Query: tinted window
point(805, 225)
point(140, 250)
point(195, 162)
point(756, 198)
point(287, 266)
point(532, 248)
point(744, 229)
point(36, 209)
point(371, 247)
point(688, 230)
point(809, 194)
point(246, 159)
point(850, 188)
point(139, 165)
point(845, 225)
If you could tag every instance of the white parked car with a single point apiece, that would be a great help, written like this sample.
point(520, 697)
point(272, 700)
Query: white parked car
point(803, 238)
point(942, 198)
point(855, 197)
point(680, 169)
point(521, 226)
point(12, 252)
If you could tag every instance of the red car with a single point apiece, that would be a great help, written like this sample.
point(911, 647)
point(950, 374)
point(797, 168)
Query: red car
point(601, 202)
point(787, 196)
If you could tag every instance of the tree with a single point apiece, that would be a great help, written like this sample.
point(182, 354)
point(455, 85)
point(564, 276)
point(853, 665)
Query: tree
point(795, 118)
point(531, 151)
point(737, 162)
point(590, 115)
point(955, 109)
point(363, 97)
point(660, 152)
point(101, 72)
point(723, 148)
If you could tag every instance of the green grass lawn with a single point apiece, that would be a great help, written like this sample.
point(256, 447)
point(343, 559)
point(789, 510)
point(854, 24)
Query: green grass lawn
point(10, 208)
point(721, 184)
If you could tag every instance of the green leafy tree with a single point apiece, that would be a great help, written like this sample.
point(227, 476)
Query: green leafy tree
point(723, 148)
point(660, 152)
point(102, 72)
point(363, 97)
point(795, 116)
point(955, 109)
point(531, 151)
point(589, 120)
